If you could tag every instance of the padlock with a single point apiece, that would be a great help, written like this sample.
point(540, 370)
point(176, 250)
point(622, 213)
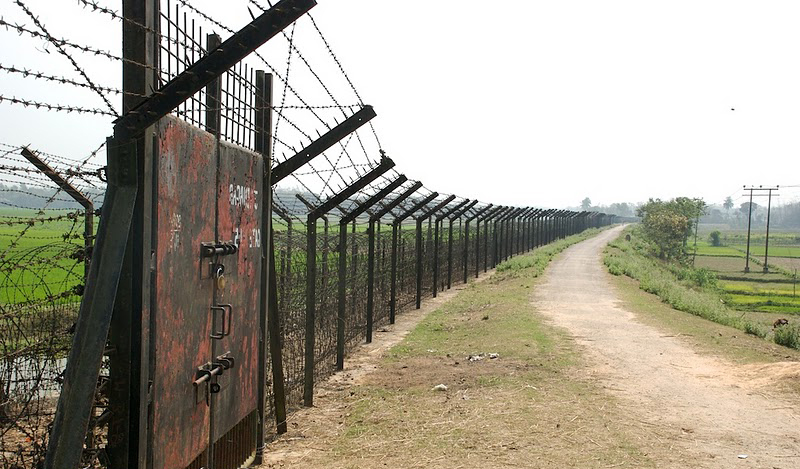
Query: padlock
point(219, 274)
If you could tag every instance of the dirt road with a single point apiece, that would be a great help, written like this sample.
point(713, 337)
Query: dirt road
point(706, 410)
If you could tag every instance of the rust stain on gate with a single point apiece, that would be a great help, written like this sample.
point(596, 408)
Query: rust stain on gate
point(188, 417)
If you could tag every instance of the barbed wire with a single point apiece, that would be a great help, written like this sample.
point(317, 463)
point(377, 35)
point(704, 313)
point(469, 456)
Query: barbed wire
point(28, 73)
point(96, 7)
point(22, 29)
point(50, 156)
point(32, 221)
point(338, 64)
point(63, 52)
point(56, 107)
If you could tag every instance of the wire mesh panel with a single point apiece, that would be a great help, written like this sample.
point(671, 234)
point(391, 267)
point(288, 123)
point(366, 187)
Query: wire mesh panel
point(355, 329)
point(290, 254)
point(326, 308)
point(383, 274)
point(406, 268)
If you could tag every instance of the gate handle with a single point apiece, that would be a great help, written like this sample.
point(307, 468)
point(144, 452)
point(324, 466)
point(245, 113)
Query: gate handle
point(226, 325)
point(227, 310)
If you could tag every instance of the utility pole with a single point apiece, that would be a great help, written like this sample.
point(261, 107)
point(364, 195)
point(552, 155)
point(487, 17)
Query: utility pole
point(749, 221)
point(749, 218)
point(766, 246)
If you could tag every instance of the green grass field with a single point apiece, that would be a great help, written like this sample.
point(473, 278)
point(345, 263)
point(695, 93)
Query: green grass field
point(36, 255)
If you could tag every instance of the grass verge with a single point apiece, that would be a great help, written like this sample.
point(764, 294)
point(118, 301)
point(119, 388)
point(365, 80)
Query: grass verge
point(533, 406)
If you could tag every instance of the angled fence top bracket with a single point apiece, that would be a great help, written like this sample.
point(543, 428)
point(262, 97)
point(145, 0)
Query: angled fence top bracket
point(208, 68)
point(327, 140)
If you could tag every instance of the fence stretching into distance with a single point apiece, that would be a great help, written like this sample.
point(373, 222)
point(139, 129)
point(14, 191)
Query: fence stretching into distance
point(233, 268)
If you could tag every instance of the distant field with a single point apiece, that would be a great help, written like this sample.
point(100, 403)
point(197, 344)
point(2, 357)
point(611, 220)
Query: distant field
point(789, 264)
point(757, 236)
point(774, 292)
point(36, 260)
point(774, 250)
point(705, 249)
point(759, 288)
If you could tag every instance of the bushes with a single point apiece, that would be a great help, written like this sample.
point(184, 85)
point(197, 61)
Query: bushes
point(788, 336)
point(663, 283)
point(685, 289)
point(755, 329)
point(716, 238)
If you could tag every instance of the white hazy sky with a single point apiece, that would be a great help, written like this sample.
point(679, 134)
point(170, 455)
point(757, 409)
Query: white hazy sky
point(547, 102)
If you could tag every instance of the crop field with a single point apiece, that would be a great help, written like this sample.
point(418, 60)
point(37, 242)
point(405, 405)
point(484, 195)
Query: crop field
point(765, 295)
point(39, 254)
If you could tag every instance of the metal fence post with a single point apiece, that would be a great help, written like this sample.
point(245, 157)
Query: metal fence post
point(351, 217)
point(270, 316)
point(397, 224)
point(341, 303)
point(311, 309)
point(393, 269)
point(385, 165)
point(475, 216)
point(439, 220)
point(427, 216)
point(456, 215)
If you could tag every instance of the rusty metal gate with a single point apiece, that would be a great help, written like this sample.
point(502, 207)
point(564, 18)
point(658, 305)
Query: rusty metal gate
point(205, 304)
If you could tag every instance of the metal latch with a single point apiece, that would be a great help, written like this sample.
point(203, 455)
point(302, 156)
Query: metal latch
point(209, 373)
point(218, 249)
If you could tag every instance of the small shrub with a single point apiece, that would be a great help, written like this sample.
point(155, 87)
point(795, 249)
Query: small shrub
point(716, 238)
point(704, 277)
point(788, 336)
point(755, 329)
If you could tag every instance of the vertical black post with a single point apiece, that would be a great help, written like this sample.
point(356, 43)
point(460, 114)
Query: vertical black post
point(495, 254)
point(353, 268)
point(213, 92)
point(766, 246)
point(370, 279)
point(393, 271)
point(477, 246)
point(749, 218)
point(419, 263)
point(438, 221)
point(435, 290)
point(486, 244)
point(429, 216)
point(269, 319)
point(477, 217)
point(393, 287)
point(450, 254)
point(341, 304)
point(455, 216)
point(131, 324)
point(487, 223)
point(466, 250)
point(509, 232)
point(311, 310)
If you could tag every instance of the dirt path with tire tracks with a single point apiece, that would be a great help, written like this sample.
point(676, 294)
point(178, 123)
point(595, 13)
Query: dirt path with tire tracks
point(704, 408)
